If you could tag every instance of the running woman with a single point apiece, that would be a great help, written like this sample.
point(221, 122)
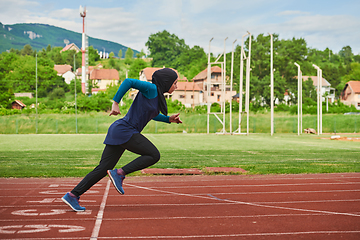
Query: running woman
point(125, 133)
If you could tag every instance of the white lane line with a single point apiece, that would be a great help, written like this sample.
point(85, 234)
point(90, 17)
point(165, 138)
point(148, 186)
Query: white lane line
point(260, 185)
point(164, 195)
point(223, 202)
point(219, 217)
point(99, 218)
point(235, 235)
point(248, 203)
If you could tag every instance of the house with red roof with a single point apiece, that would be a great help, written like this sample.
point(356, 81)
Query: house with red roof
point(71, 46)
point(216, 85)
point(350, 95)
point(102, 78)
point(65, 71)
point(189, 94)
point(17, 104)
point(146, 74)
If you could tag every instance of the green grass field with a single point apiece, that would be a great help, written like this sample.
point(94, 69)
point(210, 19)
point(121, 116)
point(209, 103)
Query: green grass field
point(74, 155)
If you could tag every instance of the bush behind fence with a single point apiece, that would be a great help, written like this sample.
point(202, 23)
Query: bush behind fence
point(92, 123)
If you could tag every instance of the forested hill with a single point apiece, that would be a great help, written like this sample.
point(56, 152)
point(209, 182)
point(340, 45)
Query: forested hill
point(39, 36)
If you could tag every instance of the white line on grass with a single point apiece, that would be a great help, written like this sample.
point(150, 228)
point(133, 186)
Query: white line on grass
point(247, 203)
point(99, 218)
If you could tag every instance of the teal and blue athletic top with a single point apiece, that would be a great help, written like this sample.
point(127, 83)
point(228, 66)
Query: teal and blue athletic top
point(142, 110)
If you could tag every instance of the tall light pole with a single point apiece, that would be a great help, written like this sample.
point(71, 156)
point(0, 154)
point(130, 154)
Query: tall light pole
point(83, 50)
point(299, 99)
point(271, 84)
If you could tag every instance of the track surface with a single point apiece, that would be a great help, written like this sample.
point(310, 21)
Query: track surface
point(311, 206)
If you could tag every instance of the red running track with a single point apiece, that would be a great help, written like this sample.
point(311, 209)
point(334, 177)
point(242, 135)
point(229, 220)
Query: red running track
point(311, 206)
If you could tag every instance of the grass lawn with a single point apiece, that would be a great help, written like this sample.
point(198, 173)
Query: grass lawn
point(74, 155)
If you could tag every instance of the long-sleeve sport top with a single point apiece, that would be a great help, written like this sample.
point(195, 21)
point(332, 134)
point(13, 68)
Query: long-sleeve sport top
point(142, 110)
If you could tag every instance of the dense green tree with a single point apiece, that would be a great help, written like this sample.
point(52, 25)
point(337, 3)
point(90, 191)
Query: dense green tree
point(27, 50)
point(346, 54)
point(136, 66)
point(165, 48)
point(129, 56)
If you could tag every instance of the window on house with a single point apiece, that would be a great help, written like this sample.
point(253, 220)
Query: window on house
point(212, 94)
point(192, 96)
point(182, 96)
point(218, 98)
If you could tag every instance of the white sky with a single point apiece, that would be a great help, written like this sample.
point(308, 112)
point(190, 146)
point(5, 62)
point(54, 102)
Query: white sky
point(322, 23)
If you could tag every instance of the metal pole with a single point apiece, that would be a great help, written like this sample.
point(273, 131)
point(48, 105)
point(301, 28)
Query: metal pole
point(224, 84)
point(299, 98)
point(208, 88)
point(36, 93)
point(318, 98)
point(231, 83)
point(241, 81)
point(320, 71)
point(301, 82)
point(248, 69)
point(271, 84)
point(76, 122)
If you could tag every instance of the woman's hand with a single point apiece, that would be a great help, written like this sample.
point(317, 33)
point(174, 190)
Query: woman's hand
point(175, 118)
point(115, 109)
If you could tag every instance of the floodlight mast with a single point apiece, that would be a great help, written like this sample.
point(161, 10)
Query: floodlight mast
point(299, 99)
point(83, 50)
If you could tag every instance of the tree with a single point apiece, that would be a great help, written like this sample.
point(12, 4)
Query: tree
point(120, 54)
point(165, 48)
point(136, 66)
point(141, 54)
point(346, 54)
point(129, 56)
point(27, 50)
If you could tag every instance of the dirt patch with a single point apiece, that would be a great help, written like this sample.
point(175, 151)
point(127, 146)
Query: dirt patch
point(353, 139)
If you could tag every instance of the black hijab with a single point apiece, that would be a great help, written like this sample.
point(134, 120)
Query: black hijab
point(163, 79)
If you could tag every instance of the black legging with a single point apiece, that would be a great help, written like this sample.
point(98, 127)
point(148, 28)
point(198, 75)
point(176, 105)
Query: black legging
point(137, 144)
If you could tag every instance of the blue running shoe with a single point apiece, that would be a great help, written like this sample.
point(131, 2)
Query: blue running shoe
point(73, 202)
point(117, 180)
